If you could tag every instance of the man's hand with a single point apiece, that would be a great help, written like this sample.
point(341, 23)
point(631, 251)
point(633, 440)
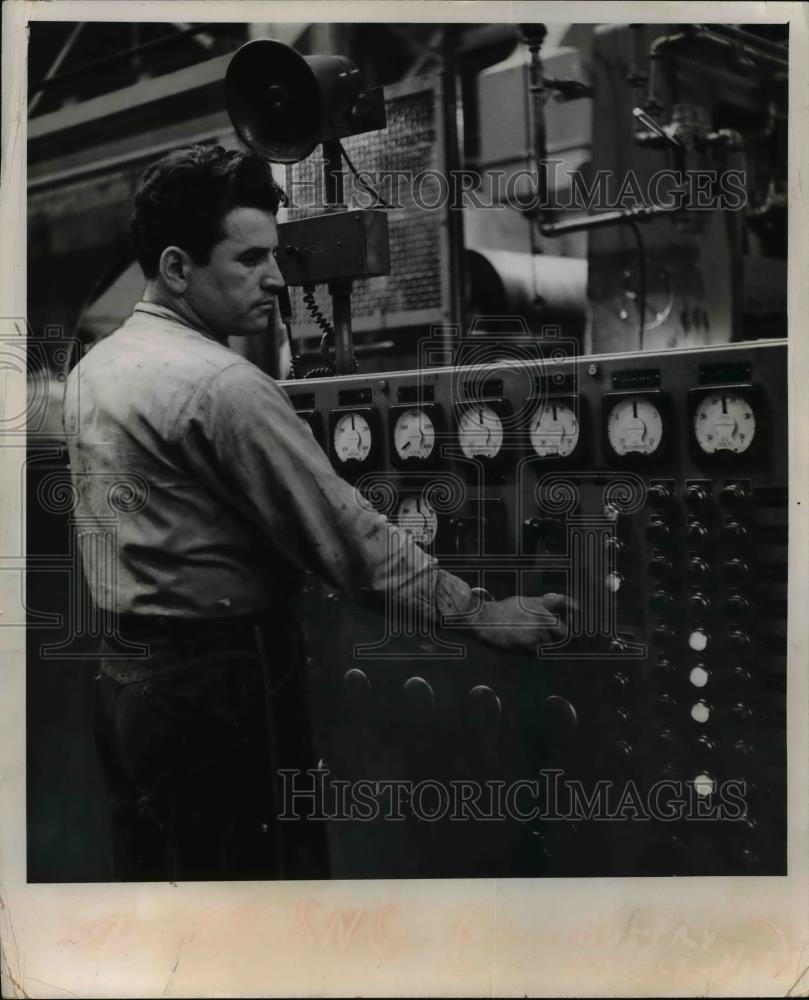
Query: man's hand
point(521, 624)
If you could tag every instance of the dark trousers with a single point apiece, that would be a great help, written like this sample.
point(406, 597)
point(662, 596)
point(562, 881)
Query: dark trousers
point(190, 739)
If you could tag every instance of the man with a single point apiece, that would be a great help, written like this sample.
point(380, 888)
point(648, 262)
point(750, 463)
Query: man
point(232, 500)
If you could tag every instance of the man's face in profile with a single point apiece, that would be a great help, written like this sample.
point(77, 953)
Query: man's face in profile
point(234, 292)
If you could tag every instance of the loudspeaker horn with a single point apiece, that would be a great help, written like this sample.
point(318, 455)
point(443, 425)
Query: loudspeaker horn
point(283, 104)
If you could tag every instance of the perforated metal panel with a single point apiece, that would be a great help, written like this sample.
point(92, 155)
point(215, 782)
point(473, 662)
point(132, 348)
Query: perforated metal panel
point(404, 160)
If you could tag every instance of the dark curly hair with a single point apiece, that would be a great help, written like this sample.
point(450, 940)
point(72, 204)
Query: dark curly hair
point(183, 198)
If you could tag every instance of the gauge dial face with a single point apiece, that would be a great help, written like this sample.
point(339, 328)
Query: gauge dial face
point(554, 432)
point(418, 518)
point(352, 438)
point(724, 421)
point(414, 435)
point(480, 432)
point(635, 427)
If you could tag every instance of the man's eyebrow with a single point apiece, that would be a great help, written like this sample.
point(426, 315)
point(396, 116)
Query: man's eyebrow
point(255, 249)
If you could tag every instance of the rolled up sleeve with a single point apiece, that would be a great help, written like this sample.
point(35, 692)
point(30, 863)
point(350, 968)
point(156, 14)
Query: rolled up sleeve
point(243, 437)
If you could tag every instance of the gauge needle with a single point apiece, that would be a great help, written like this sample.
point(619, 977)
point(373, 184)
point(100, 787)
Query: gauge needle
point(406, 445)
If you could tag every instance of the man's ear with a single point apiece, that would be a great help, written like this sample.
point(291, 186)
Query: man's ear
point(173, 269)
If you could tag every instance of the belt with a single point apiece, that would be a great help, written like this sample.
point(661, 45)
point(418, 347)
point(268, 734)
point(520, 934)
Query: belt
point(173, 644)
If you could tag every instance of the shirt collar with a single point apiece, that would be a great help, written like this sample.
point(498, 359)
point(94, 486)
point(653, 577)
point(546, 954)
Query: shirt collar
point(166, 312)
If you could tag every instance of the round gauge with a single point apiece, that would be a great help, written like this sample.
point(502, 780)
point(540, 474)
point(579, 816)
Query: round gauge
point(635, 426)
point(352, 438)
point(554, 431)
point(414, 435)
point(480, 432)
point(724, 421)
point(418, 518)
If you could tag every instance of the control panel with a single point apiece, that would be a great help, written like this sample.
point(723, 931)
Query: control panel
point(652, 489)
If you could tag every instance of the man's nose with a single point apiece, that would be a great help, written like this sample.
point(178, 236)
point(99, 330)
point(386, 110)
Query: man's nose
point(272, 280)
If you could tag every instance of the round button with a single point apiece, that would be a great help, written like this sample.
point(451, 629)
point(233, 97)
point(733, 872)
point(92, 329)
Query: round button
point(698, 640)
point(704, 784)
point(483, 707)
point(561, 719)
point(419, 695)
point(700, 712)
point(699, 676)
point(356, 685)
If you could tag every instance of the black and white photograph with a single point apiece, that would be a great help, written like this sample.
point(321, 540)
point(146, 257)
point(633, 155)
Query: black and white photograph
point(407, 480)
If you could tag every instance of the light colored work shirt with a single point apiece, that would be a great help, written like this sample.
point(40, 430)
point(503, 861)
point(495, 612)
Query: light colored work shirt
point(202, 494)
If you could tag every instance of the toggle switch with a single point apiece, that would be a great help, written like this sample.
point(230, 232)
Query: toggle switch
point(665, 667)
point(661, 602)
point(739, 712)
point(734, 496)
point(733, 531)
point(663, 636)
point(658, 532)
point(660, 566)
point(698, 602)
point(737, 569)
point(706, 747)
point(737, 605)
point(697, 496)
point(615, 548)
point(666, 705)
point(739, 640)
point(619, 683)
point(698, 568)
point(666, 740)
point(698, 533)
point(659, 496)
